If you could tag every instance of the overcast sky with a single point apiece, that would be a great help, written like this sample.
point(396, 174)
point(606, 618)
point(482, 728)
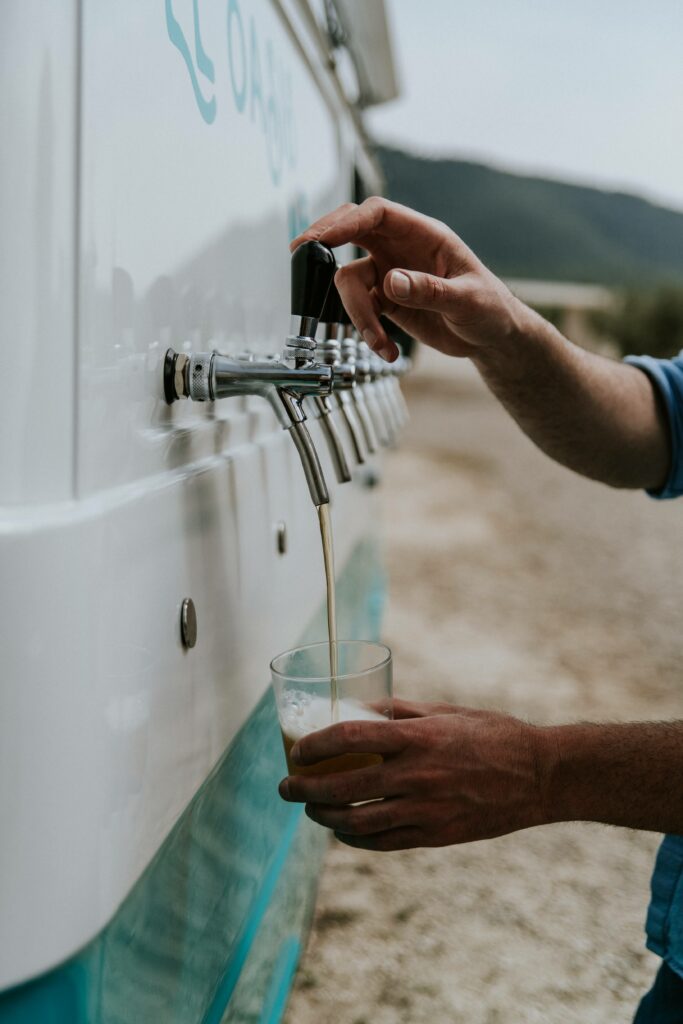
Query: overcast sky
point(583, 90)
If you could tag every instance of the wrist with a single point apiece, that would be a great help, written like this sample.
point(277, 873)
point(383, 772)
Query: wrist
point(514, 346)
point(617, 773)
point(548, 758)
point(576, 764)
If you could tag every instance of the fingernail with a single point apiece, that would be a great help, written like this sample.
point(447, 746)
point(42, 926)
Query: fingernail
point(284, 789)
point(370, 337)
point(387, 352)
point(294, 754)
point(400, 284)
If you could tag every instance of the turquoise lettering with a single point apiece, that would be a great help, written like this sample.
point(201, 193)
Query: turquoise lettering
point(270, 98)
point(287, 119)
point(239, 91)
point(255, 76)
point(273, 124)
point(207, 107)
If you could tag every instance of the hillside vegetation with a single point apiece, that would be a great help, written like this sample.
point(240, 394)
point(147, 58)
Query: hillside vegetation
point(531, 227)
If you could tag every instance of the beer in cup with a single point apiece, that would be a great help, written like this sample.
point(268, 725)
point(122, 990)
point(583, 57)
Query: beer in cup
point(309, 698)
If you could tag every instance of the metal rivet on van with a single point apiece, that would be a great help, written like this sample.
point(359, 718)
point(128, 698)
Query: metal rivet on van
point(188, 623)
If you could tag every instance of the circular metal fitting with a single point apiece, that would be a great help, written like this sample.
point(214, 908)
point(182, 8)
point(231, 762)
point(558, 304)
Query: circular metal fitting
point(188, 623)
point(329, 351)
point(300, 348)
point(179, 379)
point(175, 383)
point(345, 375)
point(349, 349)
point(199, 377)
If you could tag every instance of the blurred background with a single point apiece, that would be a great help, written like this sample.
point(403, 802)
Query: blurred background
point(548, 136)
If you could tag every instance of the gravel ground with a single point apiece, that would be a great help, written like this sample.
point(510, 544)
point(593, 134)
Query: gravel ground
point(516, 585)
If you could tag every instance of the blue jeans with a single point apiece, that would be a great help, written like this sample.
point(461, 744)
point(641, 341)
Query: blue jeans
point(663, 1004)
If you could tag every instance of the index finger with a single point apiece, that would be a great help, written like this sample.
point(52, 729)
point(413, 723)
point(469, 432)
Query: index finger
point(362, 737)
point(318, 227)
point(374, 217)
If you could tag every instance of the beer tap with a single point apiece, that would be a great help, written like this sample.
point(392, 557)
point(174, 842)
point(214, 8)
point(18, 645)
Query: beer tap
point(349, 355)
point(397, 369)
point(389, 385)
point(283, 382)
point(379, 372)
point(349, 348)
point(344, 380)
point(367, 378)
point(304, 344)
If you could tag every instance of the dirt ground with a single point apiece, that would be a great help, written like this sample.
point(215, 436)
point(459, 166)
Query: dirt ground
point(516, 585)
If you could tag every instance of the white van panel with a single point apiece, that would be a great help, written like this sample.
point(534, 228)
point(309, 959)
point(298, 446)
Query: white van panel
point(38, 100)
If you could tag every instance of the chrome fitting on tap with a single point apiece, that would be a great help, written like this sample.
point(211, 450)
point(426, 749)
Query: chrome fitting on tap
point(208, 376)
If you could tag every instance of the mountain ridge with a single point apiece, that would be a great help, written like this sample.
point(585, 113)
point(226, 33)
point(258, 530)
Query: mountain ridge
point(527, 226)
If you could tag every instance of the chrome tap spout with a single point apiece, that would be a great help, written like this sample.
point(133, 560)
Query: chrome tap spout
point(356, 395)
point(208, 376)
point(298, 431)
point(398, 369)
point(324, 408)
point(335, 318)
point(347, 408)
point(379, 375)
point(367, 379)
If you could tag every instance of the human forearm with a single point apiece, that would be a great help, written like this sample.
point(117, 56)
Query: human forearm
point(628, 774)
point(593, 415)
point(598, 417)
point(455, 775)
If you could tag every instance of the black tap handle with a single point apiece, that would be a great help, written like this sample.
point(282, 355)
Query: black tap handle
point(313, 269)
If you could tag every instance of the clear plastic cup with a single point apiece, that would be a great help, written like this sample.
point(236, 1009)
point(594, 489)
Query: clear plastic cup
point(304, 695)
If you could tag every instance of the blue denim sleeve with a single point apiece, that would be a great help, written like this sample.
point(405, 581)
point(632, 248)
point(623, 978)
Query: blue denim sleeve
point(667, 377)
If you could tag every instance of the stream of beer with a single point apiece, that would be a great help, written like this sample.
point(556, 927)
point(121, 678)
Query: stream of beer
point(328, 558)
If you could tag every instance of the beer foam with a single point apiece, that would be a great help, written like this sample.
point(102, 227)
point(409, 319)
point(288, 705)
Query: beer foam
point(301, 713)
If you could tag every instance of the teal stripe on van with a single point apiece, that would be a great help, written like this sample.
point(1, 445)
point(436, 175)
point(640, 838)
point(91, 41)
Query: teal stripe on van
point(211, 933)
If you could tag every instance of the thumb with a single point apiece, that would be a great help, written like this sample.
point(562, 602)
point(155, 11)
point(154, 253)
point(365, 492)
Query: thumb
point(419, 290)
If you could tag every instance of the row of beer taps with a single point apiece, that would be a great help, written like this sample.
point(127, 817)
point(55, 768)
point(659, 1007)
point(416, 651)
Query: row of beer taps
point(339, 372)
